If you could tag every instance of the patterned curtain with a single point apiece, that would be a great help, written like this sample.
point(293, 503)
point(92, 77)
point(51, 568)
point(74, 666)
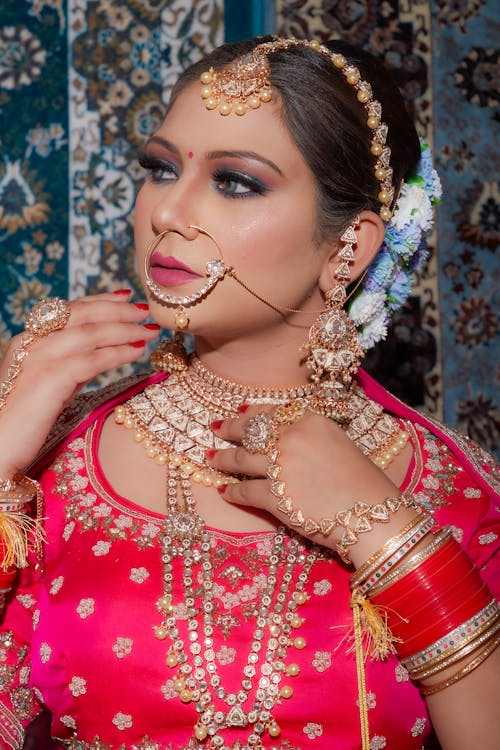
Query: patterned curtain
point(84, 82)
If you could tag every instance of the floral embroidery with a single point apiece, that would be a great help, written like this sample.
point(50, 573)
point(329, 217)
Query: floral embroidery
point(488, 538)
point(77, 686)
point(312, 730)
point(442, 469)
point(23, 703)
point(168, 690)
point(377, 742)
point(226, 655)
point(472, 492)
point(123, 647)
point(139, 575)
point(68, 721)
point(90, 512)
point(322, 587)
point(371, 700)
point(401, 673)
point(101, 548)
point(45, 652)
point(26, 600)
point(36, 618)
point(86, 608)
point(418, 727)
point(122, 721)
point(56, 584)
point(322, 660)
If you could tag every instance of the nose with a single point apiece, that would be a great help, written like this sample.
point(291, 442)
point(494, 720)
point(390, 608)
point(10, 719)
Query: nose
point(174, 210)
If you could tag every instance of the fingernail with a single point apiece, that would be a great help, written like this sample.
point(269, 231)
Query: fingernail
point(124, 292)
point(138, 344)
point(141, 305)
point(242, 409)
point(217, 424)
point(210, 453)
point(222, 488)
point(151, 326)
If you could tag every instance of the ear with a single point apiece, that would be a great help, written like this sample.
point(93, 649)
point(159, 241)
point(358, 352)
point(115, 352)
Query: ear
point(370, 234)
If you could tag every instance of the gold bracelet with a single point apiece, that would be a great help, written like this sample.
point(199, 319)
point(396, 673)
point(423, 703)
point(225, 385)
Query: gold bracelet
point(377, 573)
point(431, 689)
point(15, 368)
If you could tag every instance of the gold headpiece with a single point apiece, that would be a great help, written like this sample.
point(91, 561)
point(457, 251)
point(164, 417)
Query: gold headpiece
point(245, 83)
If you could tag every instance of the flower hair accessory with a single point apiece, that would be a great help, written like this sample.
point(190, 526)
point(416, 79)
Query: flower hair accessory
point(403, 252)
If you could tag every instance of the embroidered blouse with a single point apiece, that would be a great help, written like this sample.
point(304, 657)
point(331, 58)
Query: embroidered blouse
point(78, 638)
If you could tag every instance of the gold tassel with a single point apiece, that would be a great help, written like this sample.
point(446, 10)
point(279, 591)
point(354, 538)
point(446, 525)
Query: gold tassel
point(372, 637)
point(378, 641)
point(15, 528)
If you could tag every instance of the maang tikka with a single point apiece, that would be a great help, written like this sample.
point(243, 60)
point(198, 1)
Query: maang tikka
point(334, 349)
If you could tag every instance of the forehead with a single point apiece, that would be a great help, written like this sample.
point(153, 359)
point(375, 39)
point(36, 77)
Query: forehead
point(191, 126)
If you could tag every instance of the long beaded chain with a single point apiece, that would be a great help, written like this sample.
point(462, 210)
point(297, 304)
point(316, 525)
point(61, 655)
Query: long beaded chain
point(185, 536)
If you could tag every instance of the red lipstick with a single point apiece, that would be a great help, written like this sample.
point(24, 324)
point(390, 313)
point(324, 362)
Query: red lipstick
point(168, 271)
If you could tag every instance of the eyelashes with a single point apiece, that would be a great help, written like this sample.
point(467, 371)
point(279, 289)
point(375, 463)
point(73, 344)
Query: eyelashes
point(230, 183)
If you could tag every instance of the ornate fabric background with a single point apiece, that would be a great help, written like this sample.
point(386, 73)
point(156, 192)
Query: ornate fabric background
point(83, 82)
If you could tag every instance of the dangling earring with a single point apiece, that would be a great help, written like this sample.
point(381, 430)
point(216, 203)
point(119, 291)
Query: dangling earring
point(171, 355)
point(334, 349)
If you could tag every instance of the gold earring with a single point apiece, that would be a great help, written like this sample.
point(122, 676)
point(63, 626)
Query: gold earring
point(334, 349)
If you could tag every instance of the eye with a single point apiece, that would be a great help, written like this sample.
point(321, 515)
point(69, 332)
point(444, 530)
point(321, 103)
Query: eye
point(234, 184)
point(158, 170)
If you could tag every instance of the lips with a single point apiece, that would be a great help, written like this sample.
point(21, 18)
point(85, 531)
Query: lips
point(168, 271)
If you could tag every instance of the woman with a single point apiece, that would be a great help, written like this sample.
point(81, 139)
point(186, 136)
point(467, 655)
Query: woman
point(191, 594)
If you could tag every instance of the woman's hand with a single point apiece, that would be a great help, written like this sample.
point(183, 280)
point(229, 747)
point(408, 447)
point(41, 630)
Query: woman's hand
point(324, 473)
point(103, 331)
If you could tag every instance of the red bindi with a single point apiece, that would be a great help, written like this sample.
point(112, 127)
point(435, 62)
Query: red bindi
point(190, 155)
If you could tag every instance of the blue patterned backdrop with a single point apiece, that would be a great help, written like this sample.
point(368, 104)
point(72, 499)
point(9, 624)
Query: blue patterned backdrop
point(83, 83)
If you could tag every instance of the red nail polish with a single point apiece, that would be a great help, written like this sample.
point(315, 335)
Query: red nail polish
point(222, 488)
point(210, 453)
point(217, 424)
point(242, 409)
point(138, 344)
point(151, 326)
point(141, 305)
point(124, 292)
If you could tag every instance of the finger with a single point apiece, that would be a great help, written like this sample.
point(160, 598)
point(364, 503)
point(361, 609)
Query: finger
point(239, 461)
point(91, 336)
point(252, 492)
point(118, 295)
point(232, 429)
point(84, 311)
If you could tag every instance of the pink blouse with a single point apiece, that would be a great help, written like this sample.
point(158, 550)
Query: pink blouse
point(79, 638)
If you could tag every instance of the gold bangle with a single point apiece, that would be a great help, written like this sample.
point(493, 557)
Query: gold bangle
point(413, 562)
point(376, 573)
point(431, 689)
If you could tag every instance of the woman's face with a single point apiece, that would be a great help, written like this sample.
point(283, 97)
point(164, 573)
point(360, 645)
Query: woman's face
point(244, 181)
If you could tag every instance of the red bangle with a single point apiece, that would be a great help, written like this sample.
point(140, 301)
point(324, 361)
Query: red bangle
point(433, 599)
point(442, 625)
point(455, 594)
point(421, 576)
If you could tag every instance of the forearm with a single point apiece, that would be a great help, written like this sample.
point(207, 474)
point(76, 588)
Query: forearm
point(466, 715)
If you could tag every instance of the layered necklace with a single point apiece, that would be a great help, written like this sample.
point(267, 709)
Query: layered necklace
point(172, 421)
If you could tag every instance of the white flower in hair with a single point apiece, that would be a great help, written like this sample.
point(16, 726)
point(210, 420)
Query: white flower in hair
point(374, 331)
point(366, 307)
point(413, 205)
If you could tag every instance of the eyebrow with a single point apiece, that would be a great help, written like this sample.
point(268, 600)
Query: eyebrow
point(245, 155)
point(221, 154)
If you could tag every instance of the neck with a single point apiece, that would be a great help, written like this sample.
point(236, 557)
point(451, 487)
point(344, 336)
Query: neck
point(267, 361)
